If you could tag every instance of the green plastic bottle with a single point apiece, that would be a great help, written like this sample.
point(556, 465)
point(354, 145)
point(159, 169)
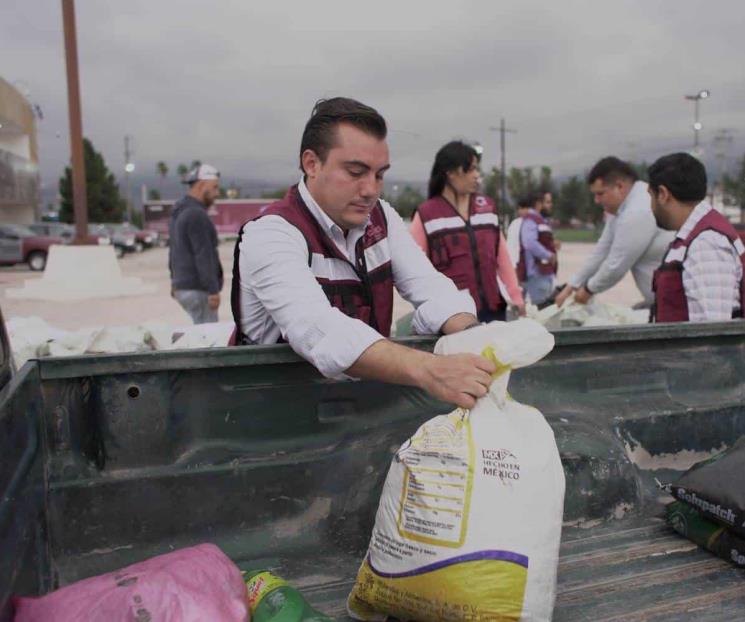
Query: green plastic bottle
point(271, 599)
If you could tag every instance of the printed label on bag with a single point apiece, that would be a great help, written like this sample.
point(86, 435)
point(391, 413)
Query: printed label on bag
point(436, 492)
point(501, 464)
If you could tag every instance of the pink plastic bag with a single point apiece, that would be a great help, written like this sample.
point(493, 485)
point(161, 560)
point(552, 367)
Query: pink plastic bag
point(197, 584)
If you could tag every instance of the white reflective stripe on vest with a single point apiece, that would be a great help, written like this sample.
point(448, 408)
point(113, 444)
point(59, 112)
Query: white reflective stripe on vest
point(485, 219)
point(675, 254)
point(438, 224)
point(332, 269)
point(739, 246)
point(377, 255)
point(544, 228)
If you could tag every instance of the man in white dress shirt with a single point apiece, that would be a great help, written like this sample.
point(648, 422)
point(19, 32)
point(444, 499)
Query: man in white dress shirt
point(701, 276)
point(631, 240)
point(317, 268)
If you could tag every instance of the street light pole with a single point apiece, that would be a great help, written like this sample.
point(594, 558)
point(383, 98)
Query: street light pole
point(79, 199)
point(697, 126)
point(128, 168)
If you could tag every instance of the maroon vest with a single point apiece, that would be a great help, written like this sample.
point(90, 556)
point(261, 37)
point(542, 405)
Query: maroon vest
point(545, 239)
point(671, 303)
point(363, 290)
point(465, 251)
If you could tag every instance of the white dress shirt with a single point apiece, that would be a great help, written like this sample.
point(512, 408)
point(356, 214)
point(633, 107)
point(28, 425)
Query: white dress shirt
point(712, 272)
point(280, 295)
point(513, 240)
point(631, 240)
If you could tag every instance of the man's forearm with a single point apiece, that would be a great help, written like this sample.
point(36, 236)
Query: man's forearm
point(458, 322)
point(456, 378)
point(390, 362)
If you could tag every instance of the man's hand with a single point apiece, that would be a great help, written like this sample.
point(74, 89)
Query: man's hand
point(557, 244)
point(213, 300)
point(521, 310)
point(582, 296)
point(563, 295)
point(456, 378)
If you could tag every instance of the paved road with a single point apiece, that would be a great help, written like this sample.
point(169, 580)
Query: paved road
point(151, 266)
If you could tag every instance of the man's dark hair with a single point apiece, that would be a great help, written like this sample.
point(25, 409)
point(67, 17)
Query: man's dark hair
point(610, 170)
point(456, 154)
point(682, 174)
point(319, 134)
point(527, 199)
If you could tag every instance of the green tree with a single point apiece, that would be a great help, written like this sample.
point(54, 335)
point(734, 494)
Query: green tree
point(105, 204)
point(734, 189)
point(162, 171)
point(153, 194)
point(406, 201)
point(545, 182)
point(182, 170)
point(521, 181)
point(575, 201)
point(195, 164)
point(491, 187)
point(640, 168)
point(279, 193)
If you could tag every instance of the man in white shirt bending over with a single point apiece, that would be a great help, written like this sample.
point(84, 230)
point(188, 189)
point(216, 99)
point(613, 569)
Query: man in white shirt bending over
point(317, 269)
point(631, 240)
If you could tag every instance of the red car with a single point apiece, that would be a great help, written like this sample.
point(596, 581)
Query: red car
point(18, 244)
point(67, 233)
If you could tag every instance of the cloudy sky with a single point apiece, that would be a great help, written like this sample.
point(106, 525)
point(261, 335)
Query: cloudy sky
point(232, 82)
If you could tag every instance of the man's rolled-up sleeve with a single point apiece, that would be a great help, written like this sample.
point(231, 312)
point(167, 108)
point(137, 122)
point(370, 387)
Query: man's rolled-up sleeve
point(434, 296)
point(274, 266)
point(634, 232)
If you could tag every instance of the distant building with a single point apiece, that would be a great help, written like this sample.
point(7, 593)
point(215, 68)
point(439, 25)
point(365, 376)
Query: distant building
point(19, 158)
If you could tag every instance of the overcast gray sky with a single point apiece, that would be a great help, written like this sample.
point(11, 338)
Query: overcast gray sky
point(232, 82)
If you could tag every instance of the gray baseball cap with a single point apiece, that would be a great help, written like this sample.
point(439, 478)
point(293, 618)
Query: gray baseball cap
point(203, 172)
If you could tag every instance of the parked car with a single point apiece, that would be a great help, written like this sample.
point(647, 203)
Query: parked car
point(123, 242)
point(143, 239)
point(67, 232)
point(19, 244)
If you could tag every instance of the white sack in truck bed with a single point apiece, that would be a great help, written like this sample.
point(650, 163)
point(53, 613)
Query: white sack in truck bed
point(469, 522)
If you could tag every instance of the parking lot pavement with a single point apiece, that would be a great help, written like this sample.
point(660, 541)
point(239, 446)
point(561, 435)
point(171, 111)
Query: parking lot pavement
point(152, 267)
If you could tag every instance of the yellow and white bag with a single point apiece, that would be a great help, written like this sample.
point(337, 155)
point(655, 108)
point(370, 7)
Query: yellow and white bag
point(469, 522)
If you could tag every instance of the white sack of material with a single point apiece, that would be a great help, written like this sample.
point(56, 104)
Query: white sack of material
point(469, 521)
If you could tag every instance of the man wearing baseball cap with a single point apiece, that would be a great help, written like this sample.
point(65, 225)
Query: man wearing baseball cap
point(196, 273)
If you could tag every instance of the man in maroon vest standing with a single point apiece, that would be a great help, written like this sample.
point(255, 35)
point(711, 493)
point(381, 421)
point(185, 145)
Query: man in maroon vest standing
point(701, 276)
point(538, 262)
point(317, 268)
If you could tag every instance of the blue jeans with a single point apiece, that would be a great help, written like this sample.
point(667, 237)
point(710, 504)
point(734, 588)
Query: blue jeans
point(539, 288)
point(194, 302)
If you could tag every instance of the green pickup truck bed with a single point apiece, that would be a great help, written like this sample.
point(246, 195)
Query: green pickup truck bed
point(111, 459)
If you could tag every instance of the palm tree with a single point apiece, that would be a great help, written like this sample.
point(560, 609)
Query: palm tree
point(195, 164)
point(162, 171)
point(182, 170)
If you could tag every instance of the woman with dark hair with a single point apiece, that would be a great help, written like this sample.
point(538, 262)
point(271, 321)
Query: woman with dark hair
point(459, 231)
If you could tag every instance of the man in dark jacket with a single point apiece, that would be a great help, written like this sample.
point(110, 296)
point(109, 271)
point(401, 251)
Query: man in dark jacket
point(196, 273)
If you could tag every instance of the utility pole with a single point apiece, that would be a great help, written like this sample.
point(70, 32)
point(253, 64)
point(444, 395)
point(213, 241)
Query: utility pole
point(128, 168)
point(503, 131)
point(80, 204)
